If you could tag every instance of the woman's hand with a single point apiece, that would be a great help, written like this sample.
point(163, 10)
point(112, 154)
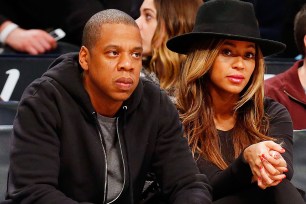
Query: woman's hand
point(266, 163)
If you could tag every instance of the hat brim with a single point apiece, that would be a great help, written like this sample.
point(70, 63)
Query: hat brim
point(187, 42)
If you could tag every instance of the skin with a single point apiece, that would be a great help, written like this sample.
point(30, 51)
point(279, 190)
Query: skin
point(147, 23)
point(112, 67)
point(230, 73)
point(33, 41)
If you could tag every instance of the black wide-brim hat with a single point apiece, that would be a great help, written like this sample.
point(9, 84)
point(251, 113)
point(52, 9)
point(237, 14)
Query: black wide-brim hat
point(224, 19)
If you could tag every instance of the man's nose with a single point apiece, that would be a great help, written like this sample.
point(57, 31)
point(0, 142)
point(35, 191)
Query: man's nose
point(125, 62)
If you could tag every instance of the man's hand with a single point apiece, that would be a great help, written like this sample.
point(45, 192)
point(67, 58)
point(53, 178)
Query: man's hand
point(32, 41)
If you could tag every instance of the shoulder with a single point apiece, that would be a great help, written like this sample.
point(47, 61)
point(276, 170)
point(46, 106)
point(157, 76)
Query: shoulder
point(275, 80)
point(275, 110)
point(155, 95)
point(275, 84)
point(151, 89)
point(281, 78)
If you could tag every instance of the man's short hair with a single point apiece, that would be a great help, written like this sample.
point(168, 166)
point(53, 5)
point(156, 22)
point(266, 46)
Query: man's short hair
point(92, 29)
point(300, 29)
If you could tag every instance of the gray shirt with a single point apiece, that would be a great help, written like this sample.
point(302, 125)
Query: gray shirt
point(115, 178)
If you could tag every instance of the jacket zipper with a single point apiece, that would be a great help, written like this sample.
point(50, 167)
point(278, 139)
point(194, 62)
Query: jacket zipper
point(105, 159)
point(123, 163)
point(293, 97)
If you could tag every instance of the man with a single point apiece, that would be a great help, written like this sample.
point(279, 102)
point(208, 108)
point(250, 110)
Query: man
point(88, 130)
point(289, 87)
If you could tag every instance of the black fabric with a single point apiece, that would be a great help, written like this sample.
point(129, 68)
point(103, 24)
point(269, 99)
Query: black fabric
point(57, 153)
point(216, 19)
point(284, 193)
point(70, 15)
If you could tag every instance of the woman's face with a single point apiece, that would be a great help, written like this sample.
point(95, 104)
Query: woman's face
point(233, 67)
point(147, 23)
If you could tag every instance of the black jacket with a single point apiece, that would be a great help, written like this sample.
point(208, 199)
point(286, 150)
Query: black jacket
point(57, 149)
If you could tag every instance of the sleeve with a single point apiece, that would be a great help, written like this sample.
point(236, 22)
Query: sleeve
point(281, 129)
point(173, 163)
point(224, 182)
point(35, 152)
point(273, 88)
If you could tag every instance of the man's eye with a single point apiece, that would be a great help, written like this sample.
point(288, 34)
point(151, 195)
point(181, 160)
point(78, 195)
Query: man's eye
point(113, 53)
point(137, 54)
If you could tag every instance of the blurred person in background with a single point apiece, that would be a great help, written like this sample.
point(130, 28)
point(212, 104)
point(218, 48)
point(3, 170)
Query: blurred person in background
point(159, 21)
point(289, 87)
point(25, 24)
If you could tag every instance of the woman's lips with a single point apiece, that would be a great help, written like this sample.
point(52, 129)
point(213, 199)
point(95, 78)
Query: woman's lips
point(124, 83)
point(236, 78)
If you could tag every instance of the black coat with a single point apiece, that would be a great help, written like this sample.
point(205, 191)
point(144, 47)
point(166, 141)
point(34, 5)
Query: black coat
point(57, 153)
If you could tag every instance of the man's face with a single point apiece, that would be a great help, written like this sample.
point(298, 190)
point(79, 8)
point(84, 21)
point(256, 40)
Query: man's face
point(112, 67)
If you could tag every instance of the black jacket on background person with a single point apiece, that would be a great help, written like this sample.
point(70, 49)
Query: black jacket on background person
point(57, 146)
point(69, 15)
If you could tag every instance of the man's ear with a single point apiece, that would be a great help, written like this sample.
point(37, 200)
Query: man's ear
point(84, 57)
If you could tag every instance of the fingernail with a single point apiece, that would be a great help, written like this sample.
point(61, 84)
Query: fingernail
point(283, 150)
point(286, 170)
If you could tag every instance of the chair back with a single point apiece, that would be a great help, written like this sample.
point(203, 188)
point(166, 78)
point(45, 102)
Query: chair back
point(8, 111)
point(5, 133)
point(299, 159)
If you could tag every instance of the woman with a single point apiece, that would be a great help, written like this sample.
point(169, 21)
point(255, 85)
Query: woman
point(160, 20)
point(242, 141)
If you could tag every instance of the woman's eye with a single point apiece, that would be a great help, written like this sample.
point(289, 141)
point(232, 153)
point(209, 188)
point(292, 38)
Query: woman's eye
point(148, 17)
point(250, 55)
point(226, 52)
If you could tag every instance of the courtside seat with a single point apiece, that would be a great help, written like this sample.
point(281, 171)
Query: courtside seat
point(7, 115)
point(18, 70)
point(299, 159)
point(8, 111)
point(277, 65)
point(5, 133)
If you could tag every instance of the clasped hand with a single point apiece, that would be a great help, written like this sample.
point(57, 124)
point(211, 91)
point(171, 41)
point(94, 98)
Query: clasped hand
point(266, 163)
